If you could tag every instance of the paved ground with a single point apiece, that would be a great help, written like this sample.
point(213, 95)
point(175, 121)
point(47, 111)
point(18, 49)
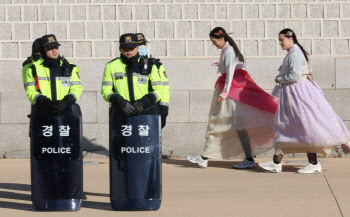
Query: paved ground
point(216, 191)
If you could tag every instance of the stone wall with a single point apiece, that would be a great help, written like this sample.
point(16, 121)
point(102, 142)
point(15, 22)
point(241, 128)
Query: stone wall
point(88, 31)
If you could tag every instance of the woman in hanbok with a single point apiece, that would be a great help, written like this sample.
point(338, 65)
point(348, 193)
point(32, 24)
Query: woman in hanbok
point(241, 113)
point(304, 121)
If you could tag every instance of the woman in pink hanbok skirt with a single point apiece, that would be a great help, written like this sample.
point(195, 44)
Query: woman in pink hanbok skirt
point(304, 121)
point(241, 113)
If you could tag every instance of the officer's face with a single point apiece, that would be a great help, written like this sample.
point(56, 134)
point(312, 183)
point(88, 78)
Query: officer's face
point(129, 52)
point(218, 42)
point(53, 52)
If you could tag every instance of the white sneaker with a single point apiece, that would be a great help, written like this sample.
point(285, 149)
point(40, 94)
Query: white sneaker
point(310, 168)
point(271, 166)
point(245, 164)
point(197, 160)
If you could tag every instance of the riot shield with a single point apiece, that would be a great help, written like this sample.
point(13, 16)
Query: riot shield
point(135, 162)
point(56, 160)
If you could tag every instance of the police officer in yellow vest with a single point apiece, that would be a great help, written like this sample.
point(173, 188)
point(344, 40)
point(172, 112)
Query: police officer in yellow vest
point(126, 85)
point(51, 82)
point(148, 63)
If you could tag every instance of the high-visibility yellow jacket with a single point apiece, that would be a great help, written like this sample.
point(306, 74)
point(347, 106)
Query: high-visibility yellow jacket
point(115, 81)
point(164, 100)
point(65, 83)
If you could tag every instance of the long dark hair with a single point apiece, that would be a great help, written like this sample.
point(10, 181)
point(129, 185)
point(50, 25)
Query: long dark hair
point(219, 32)
point(288, 33)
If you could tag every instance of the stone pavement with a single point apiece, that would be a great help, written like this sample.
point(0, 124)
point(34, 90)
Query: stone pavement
point(189, 191)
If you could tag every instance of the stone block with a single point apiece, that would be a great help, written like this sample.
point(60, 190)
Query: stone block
point(83, 1)
point(283, 11)
point(141, 12)
point(111, 30)
point(206, 11)
point(268, 11)
point(38, 30)
point(174, 11)
point(342, 70)
point(11, 131)
point(223, 24)
point(332, 10)
point(251, 11)
point(296, 26)
point(91, 73)
point(83, 49)
point(200, 102)
point(341, 46)
point(256, 29)
point(79, 12)
point(9, 50)
point(235, 11)
point(102, 49)
point(6, 33)
point(158, 48)
point(177, 48)
point(128, 27)
point(330, 28)
point(212, 50)
point(30, 13)
point(268, 47)
point(345, 28)
point(67, 1)
point(21, 31)
point(307, 45)
point(157, 12)
point(148, 29)
point(94, 12)
point(11, 76)
point(264, 70)
point(26, 49)
point(221, 12)
point(124, 12)
point(322, 47)
point(250, 48)
point(274, 27)
point(115, 50)
point(95, 136)
point(196, 48)
point(184, 29)
point(76, 30)
point(47, 12)
point(109, 12)
point(51, 1)
point(6, 2)
point(184, 73)
point(337, 99)
point(201, 29)
point(15, 107)
point(94, 30)
point(190, 11)
point(345, 10)
point(299, 11)
point(66, 48)
point(316, 11)
point(311, 28)
point(2, 14)
point(165, 29)
point(63, 12)
point(324, 71)
point(13, 13)
point(102, 108)
point(59, 30)
point(179, 104)
point(88, 106)
point(239, 29)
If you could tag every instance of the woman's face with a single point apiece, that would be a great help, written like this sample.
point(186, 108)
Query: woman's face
point(286, 43)
point(218, 42)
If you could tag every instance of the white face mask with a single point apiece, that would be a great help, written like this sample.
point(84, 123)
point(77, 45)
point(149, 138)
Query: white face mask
point(143, 50)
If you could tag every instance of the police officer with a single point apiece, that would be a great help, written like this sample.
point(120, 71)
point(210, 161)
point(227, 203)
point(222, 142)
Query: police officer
point(126, 85)
point(148, 63)
point(51, 83)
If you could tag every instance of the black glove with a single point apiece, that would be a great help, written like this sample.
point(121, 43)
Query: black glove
point(122, 105)
point(144, 102)
point(164, 110)
point(36, 48)
point(61, 105)
point(42, 101)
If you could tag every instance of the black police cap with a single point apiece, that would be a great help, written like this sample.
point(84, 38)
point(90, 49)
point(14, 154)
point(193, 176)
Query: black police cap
point(141, 38)
point(49, 41)
point(128, 40)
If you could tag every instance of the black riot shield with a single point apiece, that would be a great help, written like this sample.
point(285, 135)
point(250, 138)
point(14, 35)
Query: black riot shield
point(56, 160)
point(135, 162)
